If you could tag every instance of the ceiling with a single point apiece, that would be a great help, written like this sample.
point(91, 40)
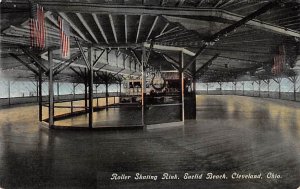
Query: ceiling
point(120, 29)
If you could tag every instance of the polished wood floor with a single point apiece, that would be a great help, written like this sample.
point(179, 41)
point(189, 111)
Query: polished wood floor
point(231, 134)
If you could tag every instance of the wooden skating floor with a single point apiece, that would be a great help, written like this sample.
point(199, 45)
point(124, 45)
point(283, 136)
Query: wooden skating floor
point(231, 134)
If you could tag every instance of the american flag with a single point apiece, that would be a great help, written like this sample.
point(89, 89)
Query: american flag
point(64, 30)
point(279, 61)
point(37, 27)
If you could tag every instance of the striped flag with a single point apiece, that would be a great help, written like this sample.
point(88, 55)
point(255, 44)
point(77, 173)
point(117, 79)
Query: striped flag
point(279, 61)
point(37, 27)
point(64, 30)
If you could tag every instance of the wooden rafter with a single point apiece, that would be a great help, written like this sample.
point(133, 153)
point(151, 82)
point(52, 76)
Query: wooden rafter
point(100, 27)
point(139, 28)
point(73, 25)
point(113, 27)
point(87, 27)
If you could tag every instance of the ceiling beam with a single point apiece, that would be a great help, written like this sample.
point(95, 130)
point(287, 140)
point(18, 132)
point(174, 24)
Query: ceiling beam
point(87, 27)
point(100, 27)
point(174, 63)
point(206, 65)
point(152, 27)
point(218, 3)
point(139, 28)
point(230, 29)
point(97, 59)
point(164, 28)
point(170, 48)
point(136, 57)
point(81, 7)
point(126, 28)
point(113, 27)
point(227, 3)
point(77, 65)
point(24, 63)
point(87, 63)
point(36, 60)
point(248, 6)
point(162, 3)
point(118, 45)
point(73, 25)
point(51, 18)
point(180, 3)
point(66, 63)
point(200, 3)
point(169, 31)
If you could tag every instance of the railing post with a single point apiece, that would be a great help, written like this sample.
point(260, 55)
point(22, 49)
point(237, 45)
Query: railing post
point(72, 107)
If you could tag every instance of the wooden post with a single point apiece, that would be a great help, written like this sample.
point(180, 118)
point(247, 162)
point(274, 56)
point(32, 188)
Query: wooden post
point(234, 87)
point(57, 88)
point(293, 79)
point(74, 90)
point(243, 88)
point(252, 88)
point(106, 95)
point(37, 89)
point(72, 107)
point(85, 90)
point(268, 82)
point(206, 88)
point(279, 85)
point(259, 82)
point(8, 90)
point(91, 82)
point(294, 83)
point(181, 76)
point(51, 92)
point(143, 82)
point(40, 95)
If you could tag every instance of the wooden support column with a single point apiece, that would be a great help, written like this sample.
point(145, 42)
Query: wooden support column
point(143, 80)
point(72, 110)
point(294, 83)
point(259, 83)
point(40, 94)
point(194, 98)
point(120, 85)
point(181, 77)
point(235, 87)
point(279, 85)
point(293, 79)
point(279, 88)
point(37, 89)
point(206, 88)
point(252, 88)
point(51, 91)
point(278, 80)
point(220, 83)
point(85, 90)
point(243, 88)
point(8, 90)
point(97, 97)
point(74, 90)
point(91, 82)
point(190, 99)
point(57, 90)
point(106, 95)
point(268, 83)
